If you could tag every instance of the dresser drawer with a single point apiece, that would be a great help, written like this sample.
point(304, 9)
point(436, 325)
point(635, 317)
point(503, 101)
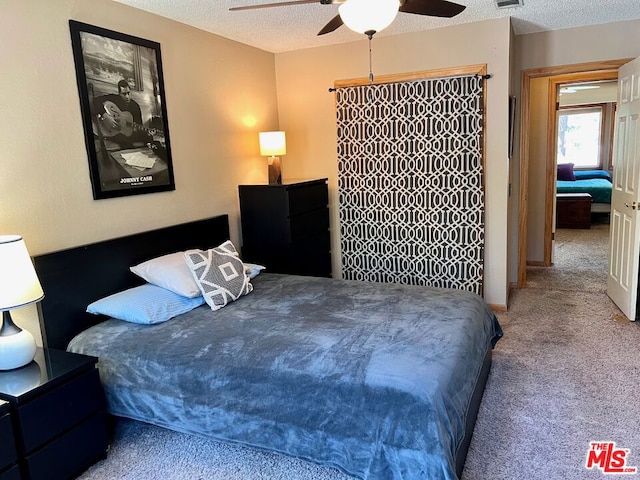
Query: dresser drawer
point(311, 256)
point(8, 453)
point(309, 224)
point(70, 454)
point(318, 243)
point(314, 264)
point(69, 404)
point(308, 197)
point(11, 474)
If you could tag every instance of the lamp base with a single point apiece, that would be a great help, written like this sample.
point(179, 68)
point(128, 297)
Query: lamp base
point(17, 346)
point(275, 175)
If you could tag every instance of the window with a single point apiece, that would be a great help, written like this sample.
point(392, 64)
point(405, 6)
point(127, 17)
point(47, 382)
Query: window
point(579, 137)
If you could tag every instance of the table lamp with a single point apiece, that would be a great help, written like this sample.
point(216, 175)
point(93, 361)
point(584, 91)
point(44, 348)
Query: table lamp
point(19, 286)
point(271, 145)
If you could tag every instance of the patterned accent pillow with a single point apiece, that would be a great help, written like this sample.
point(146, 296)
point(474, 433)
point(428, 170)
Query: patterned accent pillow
point(219, 273)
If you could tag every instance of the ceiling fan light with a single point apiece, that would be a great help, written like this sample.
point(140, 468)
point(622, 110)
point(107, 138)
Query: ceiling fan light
point(364, 16)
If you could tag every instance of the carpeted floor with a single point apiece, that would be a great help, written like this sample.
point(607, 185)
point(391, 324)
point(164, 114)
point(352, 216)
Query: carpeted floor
point(565, 374)
point(580, 261)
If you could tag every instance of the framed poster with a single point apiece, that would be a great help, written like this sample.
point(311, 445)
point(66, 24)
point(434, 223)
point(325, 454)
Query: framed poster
point(124, 112)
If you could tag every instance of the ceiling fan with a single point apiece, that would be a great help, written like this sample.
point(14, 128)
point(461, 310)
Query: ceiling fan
point(432, 8)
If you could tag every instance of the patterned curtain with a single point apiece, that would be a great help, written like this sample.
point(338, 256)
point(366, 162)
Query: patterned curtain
point(410, 182)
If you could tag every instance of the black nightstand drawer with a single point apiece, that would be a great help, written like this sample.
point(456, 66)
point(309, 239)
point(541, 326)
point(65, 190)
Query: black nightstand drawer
point(307, 198)
point(70, 454)
point(11, 474)
point(8, 453)
point(69, 404)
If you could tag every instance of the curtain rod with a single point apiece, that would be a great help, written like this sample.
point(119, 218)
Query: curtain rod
point(484, 77)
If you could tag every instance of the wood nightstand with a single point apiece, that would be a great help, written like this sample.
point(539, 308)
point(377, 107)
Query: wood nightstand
point(57, 408)
point(286, 227)
point(9, 470)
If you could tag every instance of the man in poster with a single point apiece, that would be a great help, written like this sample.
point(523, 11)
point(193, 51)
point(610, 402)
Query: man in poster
point(122, 137)
point(120, 119)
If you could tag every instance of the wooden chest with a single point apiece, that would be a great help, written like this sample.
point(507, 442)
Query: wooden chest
point(573, 210)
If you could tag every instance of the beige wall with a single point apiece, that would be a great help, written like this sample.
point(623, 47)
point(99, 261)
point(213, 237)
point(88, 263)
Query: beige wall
point(307, 113)
point(564, 47)
point(578, 45)
point(219, 93)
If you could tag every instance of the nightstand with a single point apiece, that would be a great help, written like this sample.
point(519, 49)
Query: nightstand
point(9, 470)
point(57, 407)
point(285, 227)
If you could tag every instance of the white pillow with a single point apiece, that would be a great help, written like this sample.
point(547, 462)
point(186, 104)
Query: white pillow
point(220, 274)
point(253, 269)
point(170, 272)
point(147, 304)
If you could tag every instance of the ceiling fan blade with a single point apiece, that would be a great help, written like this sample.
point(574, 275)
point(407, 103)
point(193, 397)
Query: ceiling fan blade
point(269, 5)
point(432, 8)
point(332, 25)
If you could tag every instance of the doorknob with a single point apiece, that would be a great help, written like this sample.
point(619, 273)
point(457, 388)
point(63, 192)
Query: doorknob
point(633, 205)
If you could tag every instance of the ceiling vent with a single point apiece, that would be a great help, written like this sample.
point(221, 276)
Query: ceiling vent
point(509, 3)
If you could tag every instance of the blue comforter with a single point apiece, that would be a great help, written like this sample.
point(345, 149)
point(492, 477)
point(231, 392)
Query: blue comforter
point(374, 379)
point(595, 182)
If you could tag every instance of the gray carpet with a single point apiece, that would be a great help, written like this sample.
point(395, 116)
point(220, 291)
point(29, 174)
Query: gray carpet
point(565, 374)
point(579, 264)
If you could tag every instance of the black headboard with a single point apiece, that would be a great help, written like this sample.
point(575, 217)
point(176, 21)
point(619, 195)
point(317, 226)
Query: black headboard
point(73, 278)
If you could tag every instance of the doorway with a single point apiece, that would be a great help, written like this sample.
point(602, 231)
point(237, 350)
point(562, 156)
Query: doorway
point(584, 130)
point(580, 139)
point(542, 236)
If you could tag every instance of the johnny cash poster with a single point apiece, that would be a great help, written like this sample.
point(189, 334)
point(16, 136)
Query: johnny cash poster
point(124, 112)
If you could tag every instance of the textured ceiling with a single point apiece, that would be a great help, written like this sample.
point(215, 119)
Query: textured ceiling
point(293, 27)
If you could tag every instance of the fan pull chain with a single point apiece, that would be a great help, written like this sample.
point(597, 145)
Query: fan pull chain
point(370, 35)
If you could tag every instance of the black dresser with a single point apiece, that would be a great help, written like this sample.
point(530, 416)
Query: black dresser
point(57, 410)
point(286, 227)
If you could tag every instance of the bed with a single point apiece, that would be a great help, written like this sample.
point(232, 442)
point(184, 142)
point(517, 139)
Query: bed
point(382, 381)
point(597, 183)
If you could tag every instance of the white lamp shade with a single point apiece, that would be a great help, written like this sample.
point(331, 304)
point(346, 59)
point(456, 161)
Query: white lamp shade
point(19, 284)
point(365, 16)
point(273, 144)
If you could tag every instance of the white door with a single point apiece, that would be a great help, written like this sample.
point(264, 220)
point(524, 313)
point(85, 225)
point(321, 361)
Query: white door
point(624, 243)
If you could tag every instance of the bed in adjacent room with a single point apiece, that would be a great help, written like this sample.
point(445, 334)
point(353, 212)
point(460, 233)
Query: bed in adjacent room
point(597, 183)
point(382, 381)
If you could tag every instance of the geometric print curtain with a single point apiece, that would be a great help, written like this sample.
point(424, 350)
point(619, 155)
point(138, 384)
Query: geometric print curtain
point(410, 182)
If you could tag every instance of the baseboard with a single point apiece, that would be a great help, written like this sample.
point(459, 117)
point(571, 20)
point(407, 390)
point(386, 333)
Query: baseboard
point(535, 264)
point(497, 308)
